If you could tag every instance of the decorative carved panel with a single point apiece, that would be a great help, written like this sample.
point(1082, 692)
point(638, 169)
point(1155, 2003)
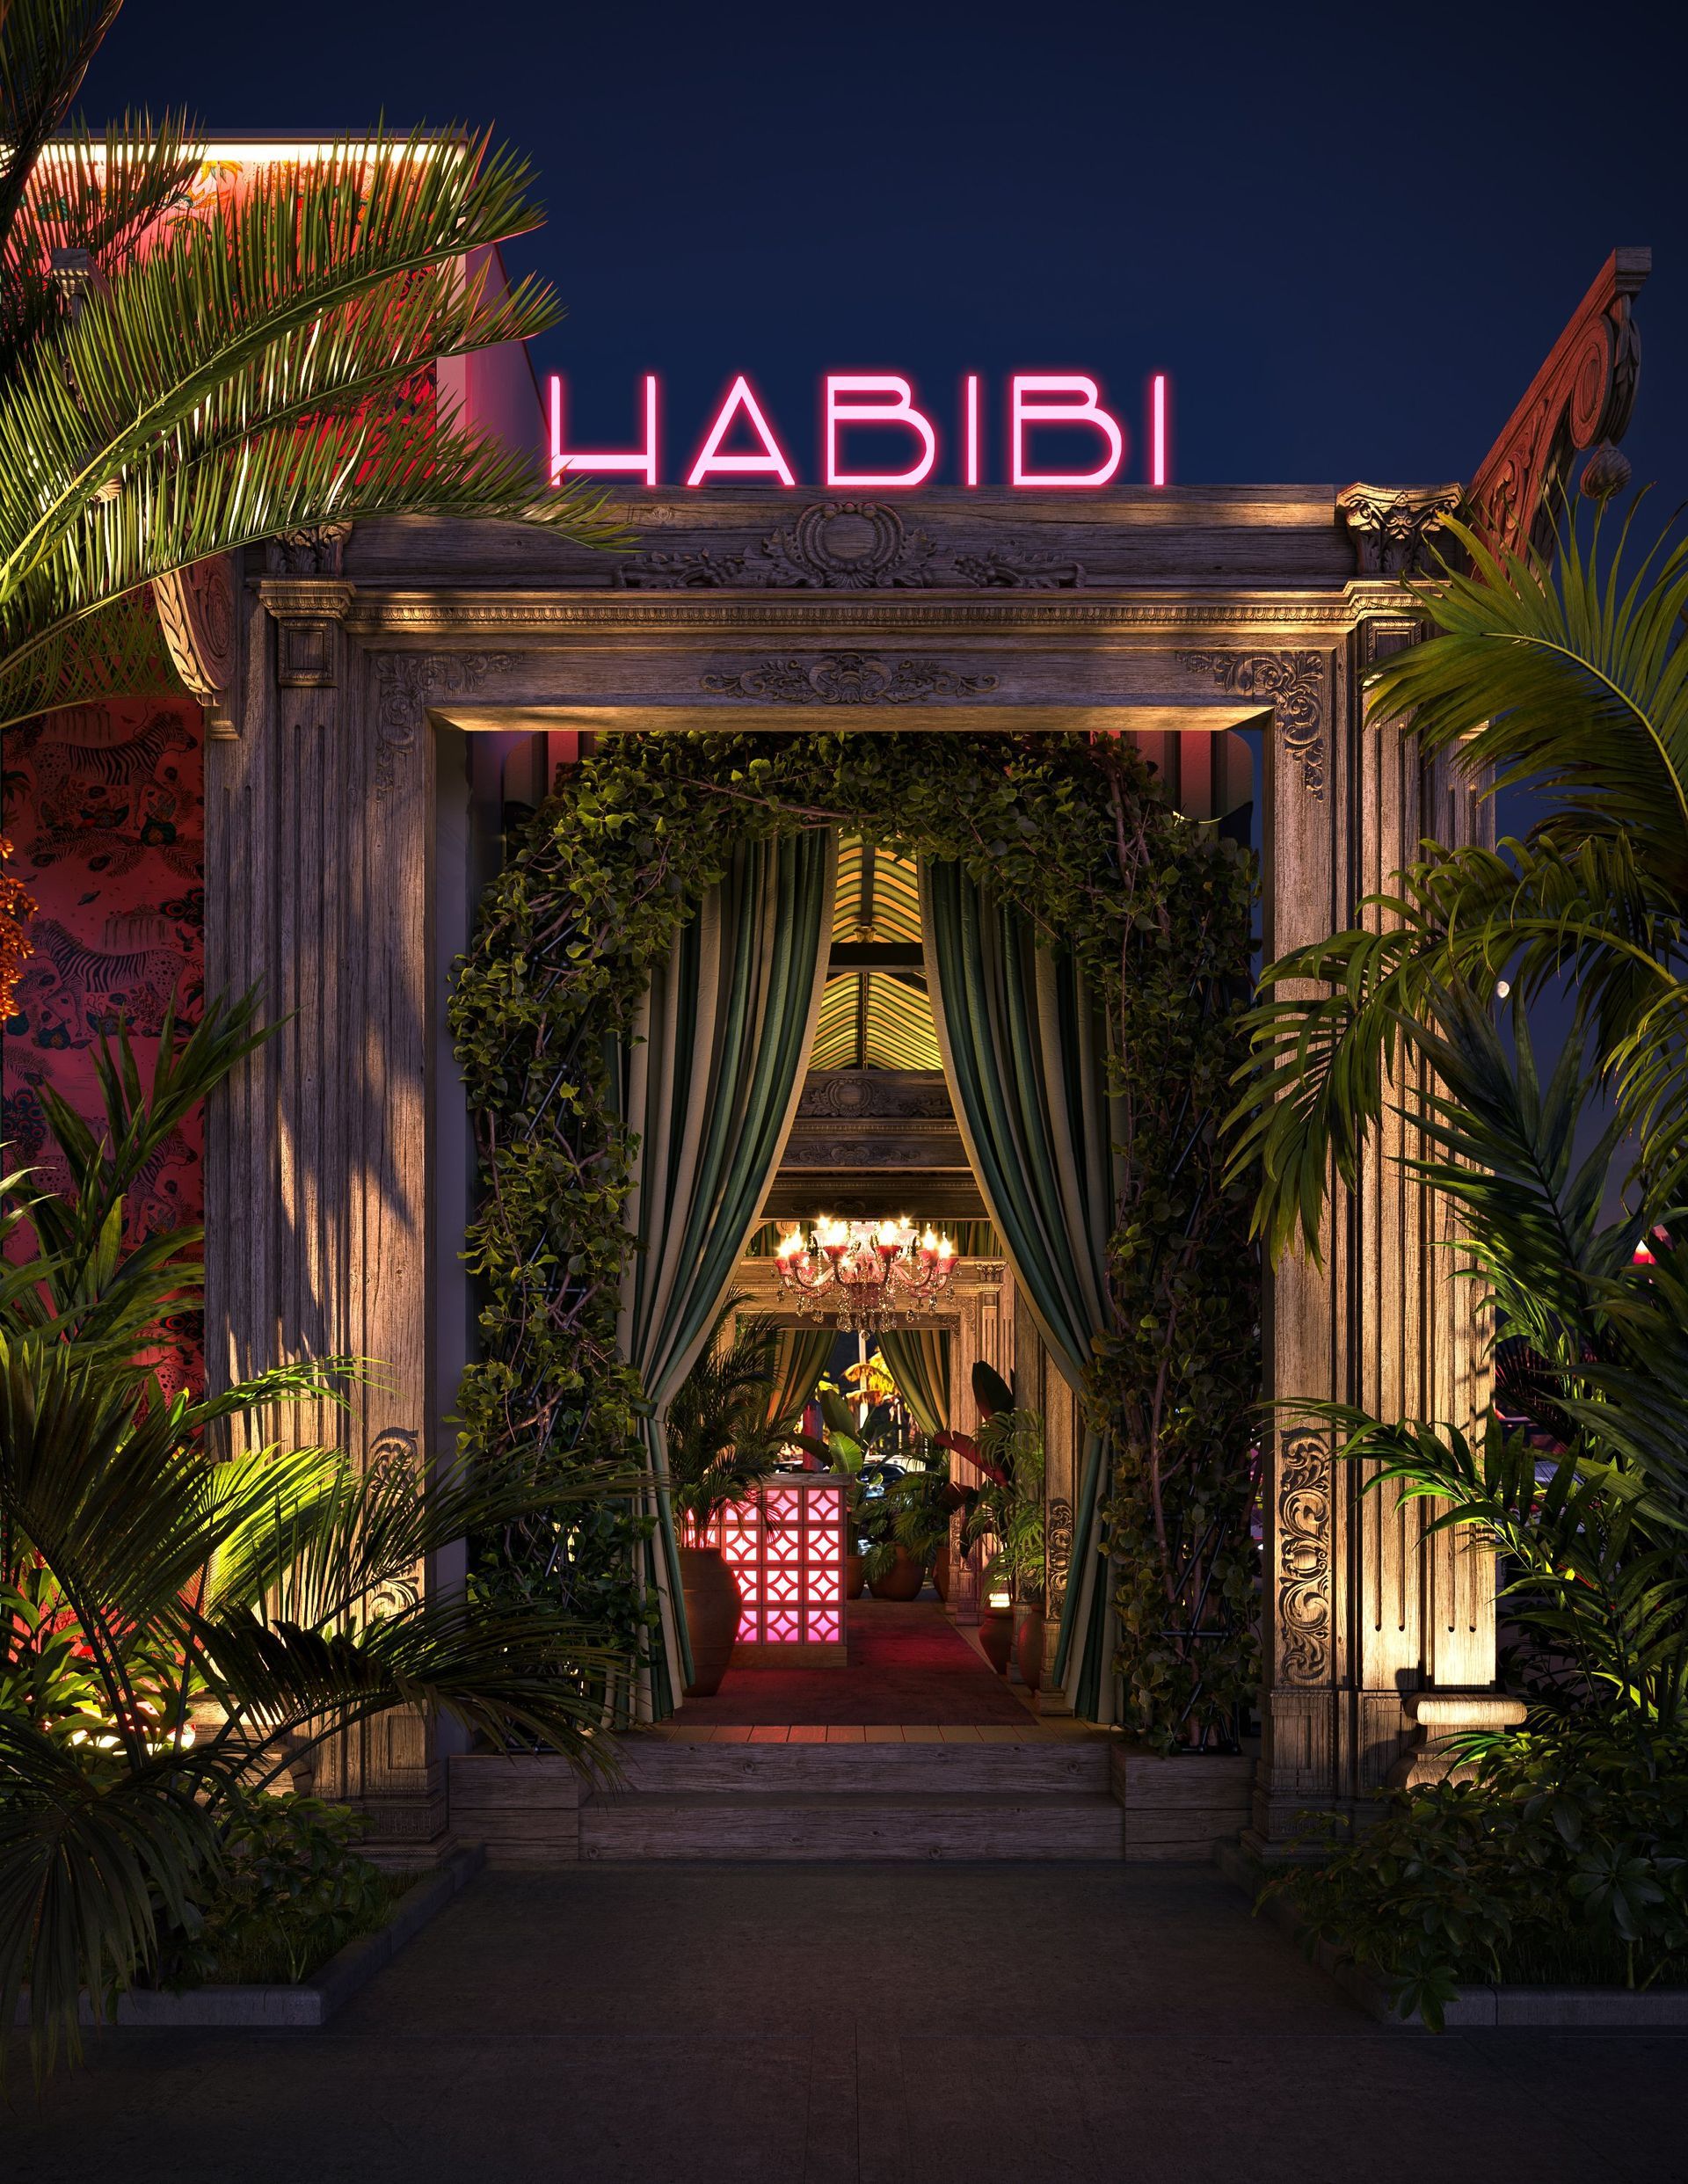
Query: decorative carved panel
point(410, 683)
point(846, 679)
point(1304, 1571)
point(1295, 684)
point(899, 1094)
point(851, 545)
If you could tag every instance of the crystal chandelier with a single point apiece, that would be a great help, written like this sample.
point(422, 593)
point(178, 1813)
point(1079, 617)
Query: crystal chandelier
point(864, 1275)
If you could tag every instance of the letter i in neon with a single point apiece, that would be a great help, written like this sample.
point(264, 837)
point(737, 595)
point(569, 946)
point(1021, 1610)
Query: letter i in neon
point(970, 438)
point(1158, 429)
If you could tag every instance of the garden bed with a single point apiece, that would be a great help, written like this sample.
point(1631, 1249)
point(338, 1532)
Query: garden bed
point(1473, 2008)
point(307, 2004)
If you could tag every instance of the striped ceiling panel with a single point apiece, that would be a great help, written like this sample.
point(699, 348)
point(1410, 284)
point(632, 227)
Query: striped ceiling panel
point(878, 895)
point(871, 1019)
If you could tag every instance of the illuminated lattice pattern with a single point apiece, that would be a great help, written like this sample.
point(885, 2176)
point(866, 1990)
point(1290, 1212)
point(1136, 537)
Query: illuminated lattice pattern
point(786, 1548)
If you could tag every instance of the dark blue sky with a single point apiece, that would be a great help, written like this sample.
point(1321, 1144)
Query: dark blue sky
point(1350, 237)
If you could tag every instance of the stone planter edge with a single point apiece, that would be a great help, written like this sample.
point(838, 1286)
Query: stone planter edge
point(1474, 2009)
point(305, 2007)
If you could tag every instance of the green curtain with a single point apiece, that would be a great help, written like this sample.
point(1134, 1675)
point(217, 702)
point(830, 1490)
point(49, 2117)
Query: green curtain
point(799, 1359)
point(918, 1358)
point(1024, 1051)
point(709, 1080)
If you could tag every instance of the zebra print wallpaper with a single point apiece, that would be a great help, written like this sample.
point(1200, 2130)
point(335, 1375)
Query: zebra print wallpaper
point(105, 805)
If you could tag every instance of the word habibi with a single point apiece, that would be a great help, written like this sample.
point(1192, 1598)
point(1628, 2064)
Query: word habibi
point(1039, 402)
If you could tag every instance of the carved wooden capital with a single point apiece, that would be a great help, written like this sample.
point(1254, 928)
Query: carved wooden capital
point(1392, 530)
point(1582, 397)
point(305, 611)
point(196, 612)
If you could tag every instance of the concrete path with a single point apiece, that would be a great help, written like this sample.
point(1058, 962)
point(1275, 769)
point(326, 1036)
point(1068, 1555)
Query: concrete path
point(864, 2025)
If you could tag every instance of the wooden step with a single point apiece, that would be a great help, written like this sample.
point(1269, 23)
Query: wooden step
point(844, 1826)
point(1062, 1766)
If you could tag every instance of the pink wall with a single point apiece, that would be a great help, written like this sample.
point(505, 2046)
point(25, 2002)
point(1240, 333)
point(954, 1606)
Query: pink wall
point(106, 808)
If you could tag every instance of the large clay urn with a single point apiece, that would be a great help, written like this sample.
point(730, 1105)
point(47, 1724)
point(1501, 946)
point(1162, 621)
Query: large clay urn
point(1029, 1627)
point(855, 1576)
point(941, 1572)
point(996, 1636)
point(712, 1611)
point(902, 1581)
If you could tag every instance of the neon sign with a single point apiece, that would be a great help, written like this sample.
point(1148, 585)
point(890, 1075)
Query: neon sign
point(741, 441)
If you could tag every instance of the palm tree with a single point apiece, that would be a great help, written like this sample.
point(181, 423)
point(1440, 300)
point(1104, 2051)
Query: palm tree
point(186, 1613)
point(721, 1441)
point(1572, 676)
point(181, 376)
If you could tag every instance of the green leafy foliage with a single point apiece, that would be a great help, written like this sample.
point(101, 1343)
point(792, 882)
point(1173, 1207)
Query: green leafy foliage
point(1157, 908)
point(721, 1442)
point(186, 1613)
point(180, 376)
point(289, 1888)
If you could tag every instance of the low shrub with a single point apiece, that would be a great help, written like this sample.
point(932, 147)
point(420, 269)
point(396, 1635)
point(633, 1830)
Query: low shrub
point(293, 1890)
point(1563, 1861)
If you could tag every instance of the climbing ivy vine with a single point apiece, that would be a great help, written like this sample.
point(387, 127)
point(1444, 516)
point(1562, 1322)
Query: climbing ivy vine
point(1157, 909)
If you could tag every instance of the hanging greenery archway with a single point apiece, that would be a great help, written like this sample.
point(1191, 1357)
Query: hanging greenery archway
point(1156, 909)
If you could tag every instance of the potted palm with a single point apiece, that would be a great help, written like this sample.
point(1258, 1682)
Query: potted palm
point(1006, 1509)
point(720, 1445)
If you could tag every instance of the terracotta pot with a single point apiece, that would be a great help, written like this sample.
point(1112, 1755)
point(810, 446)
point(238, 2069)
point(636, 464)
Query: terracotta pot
point(941, 1572)
point(996, 1636)
point(902, 1581)
point(1029, 1646)
point(855, 1576)
point(712, 1611)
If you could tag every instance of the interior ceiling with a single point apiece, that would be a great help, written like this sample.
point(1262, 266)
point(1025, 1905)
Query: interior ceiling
point(872, 1019)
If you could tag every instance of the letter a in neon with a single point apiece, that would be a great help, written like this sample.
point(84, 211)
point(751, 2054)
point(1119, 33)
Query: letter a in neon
point(710, 460)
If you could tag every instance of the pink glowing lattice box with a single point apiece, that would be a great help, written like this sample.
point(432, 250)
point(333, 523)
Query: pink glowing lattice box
point(785, 1545)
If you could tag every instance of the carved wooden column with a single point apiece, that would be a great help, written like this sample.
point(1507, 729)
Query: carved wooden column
point(1359, 1609)
point(318, 856)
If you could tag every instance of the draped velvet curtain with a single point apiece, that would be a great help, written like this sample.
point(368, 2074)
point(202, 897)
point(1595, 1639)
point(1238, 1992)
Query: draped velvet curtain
point(799, 1359)
point(1024, 1051)
point(709, 1081)
point(918, 1360)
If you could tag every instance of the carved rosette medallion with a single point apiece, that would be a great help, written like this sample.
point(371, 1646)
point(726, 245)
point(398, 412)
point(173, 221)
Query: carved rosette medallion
point(846, 679)
point(1294, 684)
point(196, 612)
point(409, 683)
point(1392, 531)
point(851, 546)
point(1304, 1590)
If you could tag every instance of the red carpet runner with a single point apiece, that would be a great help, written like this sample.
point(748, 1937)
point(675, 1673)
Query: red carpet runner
point(906, 1665)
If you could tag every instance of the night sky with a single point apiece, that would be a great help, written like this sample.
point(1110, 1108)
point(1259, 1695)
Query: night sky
point(1349, 234)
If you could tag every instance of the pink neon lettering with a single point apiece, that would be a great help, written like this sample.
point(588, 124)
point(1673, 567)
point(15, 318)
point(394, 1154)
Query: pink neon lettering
point(898, 409)
point(710, 460)
point(970, 457)
point(1158, 430)
point(640, 459)
point(1086, 409)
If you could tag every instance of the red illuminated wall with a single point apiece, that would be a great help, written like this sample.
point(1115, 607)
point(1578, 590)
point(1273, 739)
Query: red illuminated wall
point(106, 808)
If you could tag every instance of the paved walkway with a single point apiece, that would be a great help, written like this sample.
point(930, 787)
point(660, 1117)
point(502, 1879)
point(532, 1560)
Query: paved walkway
point(868, 2025)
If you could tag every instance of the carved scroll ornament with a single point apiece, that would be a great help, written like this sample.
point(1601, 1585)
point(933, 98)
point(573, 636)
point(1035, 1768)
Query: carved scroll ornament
point(846, 679)
point(1294, 683)
point(1303, 1561)
point(196, 612)
point(409, 683)
point(851, 546)
point(1392, 531)
point(1582, 397)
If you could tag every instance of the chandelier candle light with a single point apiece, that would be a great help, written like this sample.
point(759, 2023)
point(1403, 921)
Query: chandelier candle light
point(864, 1275)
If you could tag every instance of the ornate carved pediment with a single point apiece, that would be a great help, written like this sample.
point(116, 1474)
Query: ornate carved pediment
point(851, 546)
point(899, 1093)
point(1391, 531)
point(1294, 684)
point(1582, 397)
point(846, 679)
